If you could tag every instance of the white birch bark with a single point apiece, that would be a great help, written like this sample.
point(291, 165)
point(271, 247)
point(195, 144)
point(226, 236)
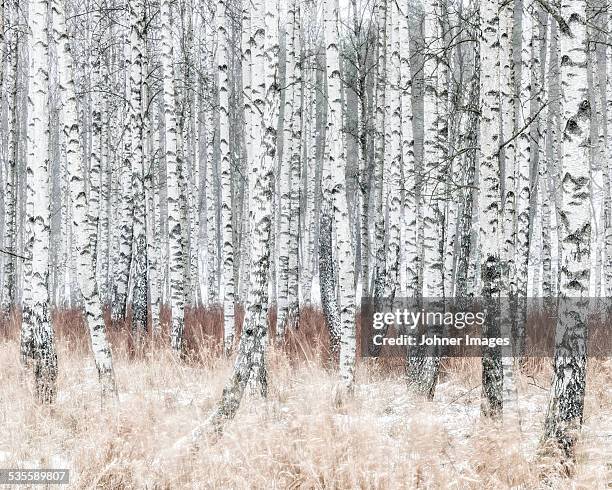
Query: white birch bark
point(37, 330)
point(422, 367)
point(295, 173)
point(508, 153)
point(608, 170)
point(250, 362)
point(432, 165)
point(596, 161)
point(211, 185)
point(175, 232)
point(337, 162)
point(523, 174)
point(124, 260)
point(249, 116)
point(309, 143)
point(544, 165)
point(489, 212)
point(395, 155)
point(140, 276)
point(104, 258)
point(226, 177)
point(84, 220)
point(380, 123)
point(328, 267)
point(10, 176)
point(289, 177)
point(284, 198)
point(154, 235)
point(467, 267)
point(566, 405)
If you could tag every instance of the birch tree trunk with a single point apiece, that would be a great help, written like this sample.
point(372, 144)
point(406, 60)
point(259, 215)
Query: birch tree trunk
point(310, 145)
point(10, 198)
point(295, 162)
point(380, 123)
point(432, 161)
point(395, 156)
point(490, 226)
point(422, 368)
point(250, 362)
point(140, 296)
point(410, 186)
point(248, 116)
point(608, 169)
point(123, 263)
point(38, 340)
point(328, 267)
point(285, 176)
point(211, 180)
point(226, 178)
point(337, 162)
point(175, 232)
point(84, 219)
point(509, 224)
point(468, 246)
point(566, 405)
point(327, 274)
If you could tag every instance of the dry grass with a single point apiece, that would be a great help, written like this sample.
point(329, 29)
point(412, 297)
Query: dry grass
point(300, 437)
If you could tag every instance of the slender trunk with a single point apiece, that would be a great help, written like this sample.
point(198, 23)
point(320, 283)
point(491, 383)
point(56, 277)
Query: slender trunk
point(490, 226)
point(285, 183)
point(126, 196)
point(608, 171)
point(337, 163)
point(37, 330)
point(10, 198)
point(423, 367)
point(84, 218)
point(226, 178)
point(140, 288)
point(250, 361)
point(175, 234)
point(566, 405)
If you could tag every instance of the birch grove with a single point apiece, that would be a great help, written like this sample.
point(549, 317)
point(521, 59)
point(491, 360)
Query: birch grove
point(264, 161)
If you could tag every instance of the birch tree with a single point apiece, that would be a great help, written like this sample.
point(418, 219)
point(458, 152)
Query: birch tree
point(410, 183)
point(289, 176)
point(489, 212)
point(38, 340)
point(226, 177)
point(608, 167)
point(126, 197)
point(84, 217)
point(9, 284)
point(140, 277)
point(566, 405)
point(250, 359)
point(508, 154)
point(380, 126)
point(422, 374)
point(394, 156)
point(175, 232)
point(285, 175)
point(523, 160)
point(337, 163)
point(295, 173)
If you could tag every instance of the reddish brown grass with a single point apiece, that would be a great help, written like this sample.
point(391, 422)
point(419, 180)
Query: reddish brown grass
point(300, 436)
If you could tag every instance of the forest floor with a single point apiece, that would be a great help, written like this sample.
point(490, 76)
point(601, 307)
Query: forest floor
point(301, 436)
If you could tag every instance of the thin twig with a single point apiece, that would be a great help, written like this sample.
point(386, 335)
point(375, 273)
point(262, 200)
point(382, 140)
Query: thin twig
point(13, 254)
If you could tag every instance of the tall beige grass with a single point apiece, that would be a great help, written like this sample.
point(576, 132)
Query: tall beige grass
point(300, 437)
